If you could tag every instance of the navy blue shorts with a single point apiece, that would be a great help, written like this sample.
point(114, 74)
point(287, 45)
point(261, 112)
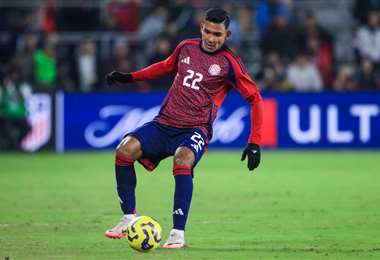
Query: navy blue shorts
point(160, 141)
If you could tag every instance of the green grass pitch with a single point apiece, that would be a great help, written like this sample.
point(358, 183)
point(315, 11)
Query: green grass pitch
point(297, 205)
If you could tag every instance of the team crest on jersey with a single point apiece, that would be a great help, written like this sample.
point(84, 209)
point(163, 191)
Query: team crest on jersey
point(214, 70)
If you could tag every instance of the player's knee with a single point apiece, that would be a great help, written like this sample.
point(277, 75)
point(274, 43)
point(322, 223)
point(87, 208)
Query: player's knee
point(184, 157)
point(129, 148)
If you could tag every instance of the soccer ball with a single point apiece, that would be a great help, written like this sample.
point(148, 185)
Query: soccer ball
point(144, 234)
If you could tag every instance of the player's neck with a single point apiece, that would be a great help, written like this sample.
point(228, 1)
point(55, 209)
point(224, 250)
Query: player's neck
point(211, 52)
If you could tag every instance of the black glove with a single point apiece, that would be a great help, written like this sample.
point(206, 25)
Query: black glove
point(253, 152)
point(118, 77)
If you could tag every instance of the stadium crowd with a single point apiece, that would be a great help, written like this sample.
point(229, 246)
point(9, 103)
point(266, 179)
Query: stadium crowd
point(70, 45)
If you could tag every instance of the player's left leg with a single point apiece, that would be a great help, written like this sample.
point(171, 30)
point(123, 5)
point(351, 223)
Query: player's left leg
point(149, 141)
point(183, 163)
point(186, 157)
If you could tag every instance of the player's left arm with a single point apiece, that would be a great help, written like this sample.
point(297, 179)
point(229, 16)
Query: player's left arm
point(241, 80)
point(157, 70)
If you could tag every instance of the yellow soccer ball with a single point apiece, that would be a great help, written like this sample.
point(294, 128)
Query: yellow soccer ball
point(144, 234)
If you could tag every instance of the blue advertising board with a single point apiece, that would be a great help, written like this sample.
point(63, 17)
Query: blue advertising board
point(334, 120)
point(291, 120)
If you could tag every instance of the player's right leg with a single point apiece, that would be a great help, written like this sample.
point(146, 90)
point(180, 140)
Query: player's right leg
point(127, 152)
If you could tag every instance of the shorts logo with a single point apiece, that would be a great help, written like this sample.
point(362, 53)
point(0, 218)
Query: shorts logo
point(214, 70)
point(199, 142)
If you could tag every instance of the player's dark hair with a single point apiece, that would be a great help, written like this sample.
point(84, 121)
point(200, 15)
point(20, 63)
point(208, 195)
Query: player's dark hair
point(218, 15)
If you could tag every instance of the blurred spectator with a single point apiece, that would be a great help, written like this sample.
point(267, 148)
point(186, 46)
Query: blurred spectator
point(363, 7)
point(83, 17)
point(124, 65)
point(321, 55)
point(123, 15)
point(345, 79)
point(247, 29)
point(41, 19)
point(10, 27)
point(153, 25)
point(236, 37)
point(267, 10)
point(7, 47)
point(173, 34)
point(45, 67)
point(368, 38)
point(87, 66)
point(280, 37)
point(48, 17)
point(311, 29)
point(303, 75)
point(121, 54)
point(121, 58)
point(192, 30)
point(245, 16)
point(32, 21)
point(367, 78)
point(180, 13)
point(25, 56)
point(13, 116)
point(66, 66)
point(274, 73)
point(162, 51)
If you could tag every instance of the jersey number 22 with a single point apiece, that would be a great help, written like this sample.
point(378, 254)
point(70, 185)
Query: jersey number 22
point(194, 78)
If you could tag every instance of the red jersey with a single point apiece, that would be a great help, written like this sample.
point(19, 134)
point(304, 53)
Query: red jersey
point(201, 83)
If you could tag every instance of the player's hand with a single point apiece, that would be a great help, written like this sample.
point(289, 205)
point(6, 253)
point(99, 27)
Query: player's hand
point(253, 153)
point(118, 77)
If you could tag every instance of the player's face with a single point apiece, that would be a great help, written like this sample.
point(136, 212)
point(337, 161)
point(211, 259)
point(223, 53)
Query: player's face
point(213, 35)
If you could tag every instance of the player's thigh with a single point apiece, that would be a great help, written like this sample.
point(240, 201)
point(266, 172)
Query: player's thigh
point(190, 149)
point(153, 140)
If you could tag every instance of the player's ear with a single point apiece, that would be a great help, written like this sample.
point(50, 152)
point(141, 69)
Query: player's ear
point(228, 34)
point(201, 26)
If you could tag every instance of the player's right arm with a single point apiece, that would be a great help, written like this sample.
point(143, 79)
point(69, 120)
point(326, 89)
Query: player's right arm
point(154, 71)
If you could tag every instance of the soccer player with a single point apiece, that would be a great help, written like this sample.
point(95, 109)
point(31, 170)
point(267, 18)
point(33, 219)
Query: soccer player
point(205, 70)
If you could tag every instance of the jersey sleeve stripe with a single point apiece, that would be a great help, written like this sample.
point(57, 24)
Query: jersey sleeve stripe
point(236, 59)
point(231, 75)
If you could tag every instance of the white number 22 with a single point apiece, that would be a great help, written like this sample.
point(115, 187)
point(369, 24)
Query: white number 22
point(198, 78)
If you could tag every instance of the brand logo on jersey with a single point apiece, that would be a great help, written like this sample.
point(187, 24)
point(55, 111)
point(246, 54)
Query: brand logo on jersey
point(214, 70)
point(186, 60)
